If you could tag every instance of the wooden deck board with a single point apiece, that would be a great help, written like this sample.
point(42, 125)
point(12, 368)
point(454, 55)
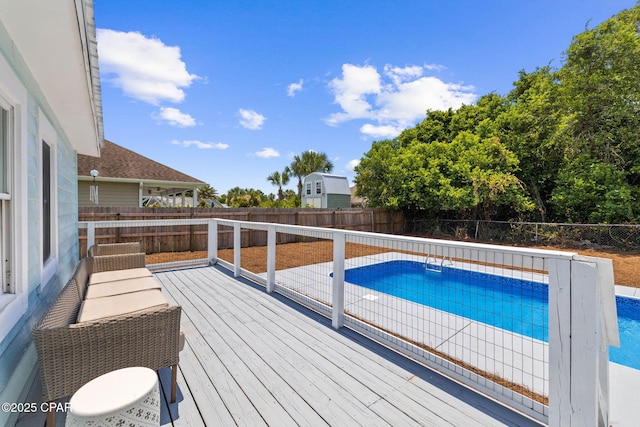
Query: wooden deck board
point(344, 388)
point(390, 383)
point(183, 412)
point(253, 358)
point(215, 365)
point(258, 363)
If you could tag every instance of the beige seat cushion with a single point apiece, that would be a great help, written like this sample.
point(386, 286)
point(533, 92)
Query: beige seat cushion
point(115, 275)
point(182, 340)
point(107, 289)
point(117, 305)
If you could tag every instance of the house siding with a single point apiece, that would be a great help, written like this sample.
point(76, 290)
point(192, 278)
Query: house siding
point(110, 194)
point(67, 193)
point(17, 353)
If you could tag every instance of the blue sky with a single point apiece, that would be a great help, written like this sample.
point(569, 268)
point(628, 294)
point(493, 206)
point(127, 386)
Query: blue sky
point(229, 91)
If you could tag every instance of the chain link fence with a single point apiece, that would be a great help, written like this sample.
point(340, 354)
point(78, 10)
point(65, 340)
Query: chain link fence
point(622, 237)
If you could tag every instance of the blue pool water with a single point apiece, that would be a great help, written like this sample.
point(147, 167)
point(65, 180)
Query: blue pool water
point(516, 305)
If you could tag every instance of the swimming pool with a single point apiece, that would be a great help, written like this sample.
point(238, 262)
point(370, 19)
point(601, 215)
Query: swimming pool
point(512, 304)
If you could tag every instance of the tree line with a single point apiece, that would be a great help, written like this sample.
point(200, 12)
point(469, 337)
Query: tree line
point(302, 165)
point(563, 145)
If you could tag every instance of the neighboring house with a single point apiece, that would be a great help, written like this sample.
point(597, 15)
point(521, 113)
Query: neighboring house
point(50, 110)
point(323, 190)
point(126, 178)
point(357, 201)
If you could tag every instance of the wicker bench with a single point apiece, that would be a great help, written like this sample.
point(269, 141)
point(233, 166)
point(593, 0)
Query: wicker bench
point(73, 348)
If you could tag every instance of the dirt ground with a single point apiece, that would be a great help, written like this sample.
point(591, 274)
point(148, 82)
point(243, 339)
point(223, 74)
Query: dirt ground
point(626, 266)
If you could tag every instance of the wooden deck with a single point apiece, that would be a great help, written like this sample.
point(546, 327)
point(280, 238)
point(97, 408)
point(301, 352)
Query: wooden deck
point(257, 359)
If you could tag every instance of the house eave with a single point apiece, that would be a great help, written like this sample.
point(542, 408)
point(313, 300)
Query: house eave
point(149, 182)
point(56, 41)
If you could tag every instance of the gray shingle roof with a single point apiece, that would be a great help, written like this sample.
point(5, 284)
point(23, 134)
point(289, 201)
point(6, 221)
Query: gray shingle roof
point(116, 161)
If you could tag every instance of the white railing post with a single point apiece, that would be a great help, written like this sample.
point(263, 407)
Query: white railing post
point(582, 291)
point(337, 312)
point(559, 342)
point(91, 235)
point(585, 344)
point(271, 258)
point(237, 246)
point(212, 241)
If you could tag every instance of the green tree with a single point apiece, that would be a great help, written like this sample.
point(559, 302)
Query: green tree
point(373, 172)
point(244, 197)
point(279, 180)
point(435, 127)
point(308, 162)
point(591, 191)
point(207, 192)
point(289, 200)
point(470, 176)
point(530, 128)
point(601, 95)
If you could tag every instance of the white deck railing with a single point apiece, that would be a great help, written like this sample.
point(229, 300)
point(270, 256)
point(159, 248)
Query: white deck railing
point(562, 380)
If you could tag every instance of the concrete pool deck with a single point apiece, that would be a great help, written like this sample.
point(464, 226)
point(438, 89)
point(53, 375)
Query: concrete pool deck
point(627, 291)
point(624, 383)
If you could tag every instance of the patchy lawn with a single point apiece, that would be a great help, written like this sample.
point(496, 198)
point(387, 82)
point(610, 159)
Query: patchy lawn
point(626, 266)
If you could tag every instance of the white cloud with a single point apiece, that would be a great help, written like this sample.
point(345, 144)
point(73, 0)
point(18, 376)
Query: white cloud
point(352, 164)
point(144, 68)
point(201, 145)
point(294, 88)
point(251, 119)
point(384, 131)
point(410, 100)
point(395, 100)
point(267, 152)
point(175, 117)
point(399, 75)
point(434, 67)
point(351, 92)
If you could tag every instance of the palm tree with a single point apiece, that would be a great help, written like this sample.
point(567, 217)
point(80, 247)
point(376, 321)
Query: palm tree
point(279, 179)
point(207, 192)
point(308, 162)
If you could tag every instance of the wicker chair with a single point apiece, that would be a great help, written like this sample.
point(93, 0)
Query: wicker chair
point(115, 248)
point(71, 354)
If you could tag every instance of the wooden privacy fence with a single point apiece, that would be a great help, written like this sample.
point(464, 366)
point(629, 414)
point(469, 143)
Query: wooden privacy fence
point(180, 238)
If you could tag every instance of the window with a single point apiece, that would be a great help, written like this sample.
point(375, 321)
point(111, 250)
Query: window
point(318, 187)
point(46, 201)
point(5, 196)
point(48, 184)
point(14, 218)
point(308, 189)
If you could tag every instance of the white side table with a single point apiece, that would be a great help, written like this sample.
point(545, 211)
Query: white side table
point(126, 397)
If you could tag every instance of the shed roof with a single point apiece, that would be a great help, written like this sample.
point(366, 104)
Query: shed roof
point(333, 184)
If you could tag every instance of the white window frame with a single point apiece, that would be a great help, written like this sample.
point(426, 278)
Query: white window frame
point(318, 187)
point(6, 195)
point(308, 189)
point(14, 96)
point(47, 135)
